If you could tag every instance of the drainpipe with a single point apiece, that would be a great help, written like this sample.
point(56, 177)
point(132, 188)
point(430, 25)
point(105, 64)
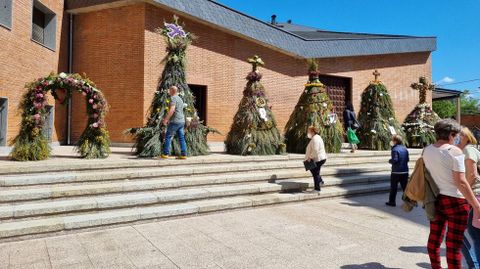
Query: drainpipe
point(70, 70)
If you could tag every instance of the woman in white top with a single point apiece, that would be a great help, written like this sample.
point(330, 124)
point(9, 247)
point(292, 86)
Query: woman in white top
point(471, 242)
point(445, 163)
point(316, 151)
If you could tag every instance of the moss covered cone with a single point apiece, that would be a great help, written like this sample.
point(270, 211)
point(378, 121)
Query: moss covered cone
point(254, 129)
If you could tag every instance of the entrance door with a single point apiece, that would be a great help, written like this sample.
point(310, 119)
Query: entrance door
point(48, 127)
point(340, 91)
point(200, 94)
point(3, 121)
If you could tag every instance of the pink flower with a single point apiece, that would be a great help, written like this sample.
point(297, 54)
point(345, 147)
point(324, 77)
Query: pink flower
point(95, 125)
point(94, 106)
point(38, 105)
point(84, 93)
point(95, 96)
point(90, 101)
point(45, 83)
point(36, 117)
point(39, 95)
point(95, 115)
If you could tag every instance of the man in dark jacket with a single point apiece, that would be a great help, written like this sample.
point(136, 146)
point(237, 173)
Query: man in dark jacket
point(399, 161)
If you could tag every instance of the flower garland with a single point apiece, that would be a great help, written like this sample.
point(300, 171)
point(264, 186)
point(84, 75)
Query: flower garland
point(30, 143)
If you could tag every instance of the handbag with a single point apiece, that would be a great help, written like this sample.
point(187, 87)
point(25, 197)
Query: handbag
point(352, 137)
point(415, 189)
point(309, 165)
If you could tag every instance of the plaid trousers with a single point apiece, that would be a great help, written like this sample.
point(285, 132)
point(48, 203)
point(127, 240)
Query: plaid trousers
point(450, 212)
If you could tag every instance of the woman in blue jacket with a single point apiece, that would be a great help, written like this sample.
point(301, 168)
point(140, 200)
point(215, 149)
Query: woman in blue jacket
point(399, 161)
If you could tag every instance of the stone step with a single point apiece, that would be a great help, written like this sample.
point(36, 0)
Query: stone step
point(120, 216)
point(64, 206)
point(30, 193)
point(73, 164)
point(113, 175)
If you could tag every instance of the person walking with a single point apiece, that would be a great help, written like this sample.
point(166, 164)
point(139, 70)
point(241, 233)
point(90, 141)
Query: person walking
point(445, 163)
point(316, 152)
point(350, 124)
point(399, 162)
point(175, 122)
point(471, 242)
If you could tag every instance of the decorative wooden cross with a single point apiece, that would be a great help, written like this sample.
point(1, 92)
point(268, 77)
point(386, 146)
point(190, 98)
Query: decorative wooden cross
point(376, 74)
point(255, 61)
point(423, 86)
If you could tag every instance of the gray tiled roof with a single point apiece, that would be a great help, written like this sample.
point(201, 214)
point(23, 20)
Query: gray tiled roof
point(304, 44)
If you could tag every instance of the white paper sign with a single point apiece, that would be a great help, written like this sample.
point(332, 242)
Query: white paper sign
point(392, 130)
point(263, 114)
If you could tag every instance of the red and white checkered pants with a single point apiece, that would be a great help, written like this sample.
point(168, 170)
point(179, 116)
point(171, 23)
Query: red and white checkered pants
point(451, 212)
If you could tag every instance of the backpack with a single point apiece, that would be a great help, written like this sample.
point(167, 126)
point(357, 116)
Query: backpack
point(415, 189)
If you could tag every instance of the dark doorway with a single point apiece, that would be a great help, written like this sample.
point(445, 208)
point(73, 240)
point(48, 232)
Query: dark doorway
point(3, 121)
point(48, 127)
point(340, 91)
point(200, 94)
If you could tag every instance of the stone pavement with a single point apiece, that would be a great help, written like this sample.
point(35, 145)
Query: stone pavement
point(347, 233)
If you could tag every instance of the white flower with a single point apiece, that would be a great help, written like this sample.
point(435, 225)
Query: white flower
point(324, 104)
point(373, 131)
point(62, 75)
point(381, 94)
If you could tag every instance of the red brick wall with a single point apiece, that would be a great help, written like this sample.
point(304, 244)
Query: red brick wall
point(23, 60)
point(119, 50)
point(109, 48)
point(471, 121)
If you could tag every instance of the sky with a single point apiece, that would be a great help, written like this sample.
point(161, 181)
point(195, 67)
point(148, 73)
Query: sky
point(456, 24)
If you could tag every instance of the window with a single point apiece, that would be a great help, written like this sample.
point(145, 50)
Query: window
point(44, 25)
point(6, 13)
point(3, 121)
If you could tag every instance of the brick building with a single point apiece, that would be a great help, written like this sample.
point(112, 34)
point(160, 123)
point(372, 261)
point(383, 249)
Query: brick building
point(113, 42)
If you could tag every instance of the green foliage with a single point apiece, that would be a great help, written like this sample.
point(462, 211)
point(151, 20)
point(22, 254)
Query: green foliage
point(418, 126)
point(149, 139)
point(314, 108)
point(444, 108)
point(375, 117)
point(30, 143)
point(254, 129)
point(469, 105)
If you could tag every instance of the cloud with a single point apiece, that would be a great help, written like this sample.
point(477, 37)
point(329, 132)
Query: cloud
point(445, 80)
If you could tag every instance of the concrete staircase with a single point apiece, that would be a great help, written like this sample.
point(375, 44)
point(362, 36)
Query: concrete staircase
point(54, 197)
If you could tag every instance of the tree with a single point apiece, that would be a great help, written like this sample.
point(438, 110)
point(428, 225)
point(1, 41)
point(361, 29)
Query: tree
point(444, 108)
point(314, 108)
point(419, 124)
point(469, 104)
point(254, 129)
point(149, 139)
point(377, 117)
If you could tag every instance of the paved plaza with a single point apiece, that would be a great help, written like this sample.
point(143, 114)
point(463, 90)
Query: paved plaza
point(347, 233)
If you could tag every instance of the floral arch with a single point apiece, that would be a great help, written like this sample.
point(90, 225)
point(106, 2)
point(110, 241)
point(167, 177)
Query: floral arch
point(31, 144)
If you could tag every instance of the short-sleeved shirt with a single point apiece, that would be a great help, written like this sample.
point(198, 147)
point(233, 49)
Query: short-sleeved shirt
point(471, 153)
point(178, 116)
point(441, 163)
